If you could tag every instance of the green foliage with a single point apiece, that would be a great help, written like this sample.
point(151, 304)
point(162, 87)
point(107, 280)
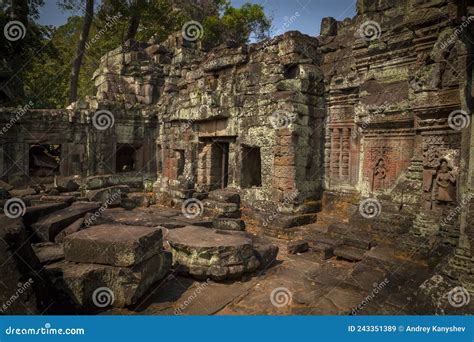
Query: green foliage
point(237, 25)
point(16, 56)
point(51, 50)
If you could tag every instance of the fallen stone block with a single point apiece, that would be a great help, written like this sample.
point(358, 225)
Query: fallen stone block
point(228, 224)
point(67, 184)
point(116, 245)
point(224, 196)
point(283, 221)
point(265, 251)
point(140, 199)
point(216, 254)
point(128, 203)
point(60, 198)
point(93, 286)
point(358, 242)
point(299, 246)
point(132, 179)
point(322, 250)
point(48, 252)
point(111, 196)
point(22, 192)
point(71, 229)
point(349, 253)
point(221, 207)
point(98, 182)
point(328, 239)
point(34, 212)
point(47, 227)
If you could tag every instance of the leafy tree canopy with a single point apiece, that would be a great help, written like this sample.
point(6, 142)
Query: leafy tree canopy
point(44, 61)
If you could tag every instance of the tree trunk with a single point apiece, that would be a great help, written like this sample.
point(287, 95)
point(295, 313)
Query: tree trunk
point(19, 11)
point(80, 51)
point(134, 22)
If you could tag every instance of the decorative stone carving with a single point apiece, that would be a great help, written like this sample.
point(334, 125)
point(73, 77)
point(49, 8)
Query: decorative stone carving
point(445, 183)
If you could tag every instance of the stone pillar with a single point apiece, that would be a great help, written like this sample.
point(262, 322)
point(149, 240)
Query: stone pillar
point(284, 172)
point(461, 266)
point(335, 153)
point(345, 153)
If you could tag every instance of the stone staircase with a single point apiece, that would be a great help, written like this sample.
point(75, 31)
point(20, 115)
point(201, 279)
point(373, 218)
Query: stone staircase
point(223, 206)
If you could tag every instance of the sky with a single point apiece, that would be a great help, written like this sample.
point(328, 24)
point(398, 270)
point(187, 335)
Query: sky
point(287, 15)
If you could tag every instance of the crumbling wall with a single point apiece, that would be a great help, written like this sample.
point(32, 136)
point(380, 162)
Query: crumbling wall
point(86, 143)
point(399, 106)
point(215, 106)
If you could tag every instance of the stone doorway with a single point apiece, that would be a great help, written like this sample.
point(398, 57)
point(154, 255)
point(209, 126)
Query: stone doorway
point(213, 168)
point(125, 158)
point(251, 171)
point(44, 160)
point(220, 164)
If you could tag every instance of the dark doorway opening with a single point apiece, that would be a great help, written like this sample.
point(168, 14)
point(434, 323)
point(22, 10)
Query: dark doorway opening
point(251, 167)
point(180, 162)
point(44, 159)
point(220, 165)
point(125, 158)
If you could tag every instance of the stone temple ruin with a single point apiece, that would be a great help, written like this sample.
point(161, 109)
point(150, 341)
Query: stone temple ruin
point(332, 167)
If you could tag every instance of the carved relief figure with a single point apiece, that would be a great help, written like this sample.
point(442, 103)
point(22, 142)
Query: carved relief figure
point(379, 174)
point(445, 183)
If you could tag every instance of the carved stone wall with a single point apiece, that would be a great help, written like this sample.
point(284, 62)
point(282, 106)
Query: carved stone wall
point(391, 76)
point(214, 107)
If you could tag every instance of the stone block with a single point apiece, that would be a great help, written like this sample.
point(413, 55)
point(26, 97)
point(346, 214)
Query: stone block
point(228, 224)
point(48, 252)
point(71, 229)
point(93, 287)
point(34, 212)
point(47, 227)
point(217, 254)
point(224, 196)
point(299, 246)
point(349, 253)
point(110, 196)
point(116, 245)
